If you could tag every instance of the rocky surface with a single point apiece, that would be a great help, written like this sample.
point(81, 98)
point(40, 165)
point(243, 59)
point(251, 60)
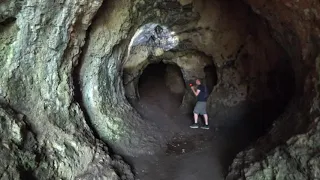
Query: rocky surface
point(39, 50)
point(174, 79)
point(63, 85)
point(15, 136)
point(24, 157)
point(9, 9)
point(295, 26)
point(297, 159)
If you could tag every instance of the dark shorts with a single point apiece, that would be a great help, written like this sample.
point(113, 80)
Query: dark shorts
point(200, 108)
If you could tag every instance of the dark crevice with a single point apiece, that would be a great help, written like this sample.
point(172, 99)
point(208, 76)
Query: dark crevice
point(26, 174)
point(7, 21)
point(211, 77)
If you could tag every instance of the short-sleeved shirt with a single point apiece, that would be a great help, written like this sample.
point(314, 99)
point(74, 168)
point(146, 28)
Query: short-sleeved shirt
point(202, 95)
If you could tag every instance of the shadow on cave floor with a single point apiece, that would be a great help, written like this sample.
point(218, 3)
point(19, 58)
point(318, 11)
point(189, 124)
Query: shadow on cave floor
point(190, 153)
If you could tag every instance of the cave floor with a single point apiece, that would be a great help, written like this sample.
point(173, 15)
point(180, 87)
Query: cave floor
point(190, 154)
point(193, 154)
point(204, 155)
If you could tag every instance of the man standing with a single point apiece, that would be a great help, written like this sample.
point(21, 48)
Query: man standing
point(200, 108)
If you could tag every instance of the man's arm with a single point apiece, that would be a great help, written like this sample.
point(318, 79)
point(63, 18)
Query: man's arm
point(195, 92)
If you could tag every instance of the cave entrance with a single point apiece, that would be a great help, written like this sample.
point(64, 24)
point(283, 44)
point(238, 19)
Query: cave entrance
point(161, 86)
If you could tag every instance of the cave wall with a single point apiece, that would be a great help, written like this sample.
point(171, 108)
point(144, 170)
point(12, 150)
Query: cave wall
point(298, 158)
point(111, 115)
point(296, 28)
point(295, 25)
point(44, 134)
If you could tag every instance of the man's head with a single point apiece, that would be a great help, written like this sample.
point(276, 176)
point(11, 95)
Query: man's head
point(198, 82)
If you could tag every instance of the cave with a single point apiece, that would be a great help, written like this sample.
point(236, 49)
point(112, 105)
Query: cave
point(163, 85)
point(100, 89)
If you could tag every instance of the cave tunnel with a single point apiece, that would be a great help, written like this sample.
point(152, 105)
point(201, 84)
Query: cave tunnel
point(162, 85)
point(162, 93)
point(159, 64)
point(161, 88)
point(107, 95)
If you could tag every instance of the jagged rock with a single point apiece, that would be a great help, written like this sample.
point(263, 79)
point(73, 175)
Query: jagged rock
point(23, 157)
point(297, 159)
point(18, 146)
point(9, 9)
point(39, 50)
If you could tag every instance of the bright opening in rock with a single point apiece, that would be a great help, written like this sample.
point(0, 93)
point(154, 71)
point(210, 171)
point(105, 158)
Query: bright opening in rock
point(155, 35)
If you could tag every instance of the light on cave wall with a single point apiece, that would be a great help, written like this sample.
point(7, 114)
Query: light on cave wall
point(154, 35)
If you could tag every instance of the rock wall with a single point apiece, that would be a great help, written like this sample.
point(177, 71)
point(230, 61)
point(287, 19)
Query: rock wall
point(298, 158)
point(44, 134)
point(110, 113)
point(295, 26)
point(9, 9)
point(174, 79)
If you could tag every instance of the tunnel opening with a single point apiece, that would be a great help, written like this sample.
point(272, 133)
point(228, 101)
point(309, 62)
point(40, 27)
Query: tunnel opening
point(161, 86)
point(210, 77)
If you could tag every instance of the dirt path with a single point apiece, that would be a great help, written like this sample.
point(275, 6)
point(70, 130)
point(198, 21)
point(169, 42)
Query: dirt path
point(191, 154)
point(184, 159)
point(204, 156)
